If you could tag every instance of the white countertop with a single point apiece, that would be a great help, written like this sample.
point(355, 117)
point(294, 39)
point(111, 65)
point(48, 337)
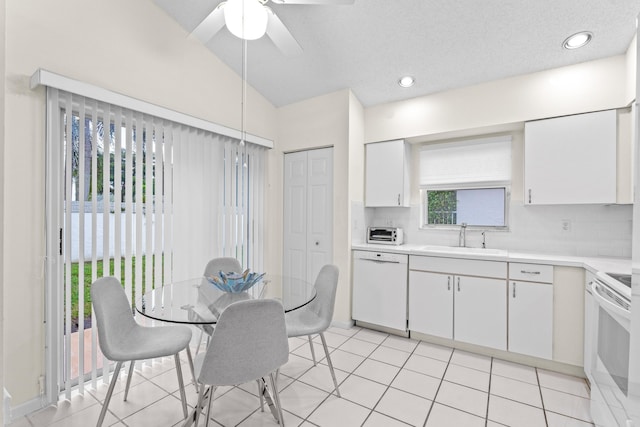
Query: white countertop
point(593, 264)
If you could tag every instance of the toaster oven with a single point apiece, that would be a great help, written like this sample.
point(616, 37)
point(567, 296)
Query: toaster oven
point(385, 235)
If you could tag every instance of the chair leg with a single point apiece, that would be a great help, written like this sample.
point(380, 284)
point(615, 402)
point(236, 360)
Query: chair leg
point(193, 372)
point(199, 404)
point(276, 398)
point(107, 398)
point(333, 373)
point(212, 390)
point(183, 397)
point(260, 394)
point(129, 375)
point(199, 342)
point(313, 353)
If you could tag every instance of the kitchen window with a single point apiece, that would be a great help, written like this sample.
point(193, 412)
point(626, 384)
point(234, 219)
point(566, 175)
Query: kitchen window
point(466, 182)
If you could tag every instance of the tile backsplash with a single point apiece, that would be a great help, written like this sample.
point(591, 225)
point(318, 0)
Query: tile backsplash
point(582, 230)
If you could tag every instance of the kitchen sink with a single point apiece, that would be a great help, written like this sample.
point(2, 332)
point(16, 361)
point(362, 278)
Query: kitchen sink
point(464, 250)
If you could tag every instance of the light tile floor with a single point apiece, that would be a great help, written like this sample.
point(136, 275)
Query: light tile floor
point(385, 381)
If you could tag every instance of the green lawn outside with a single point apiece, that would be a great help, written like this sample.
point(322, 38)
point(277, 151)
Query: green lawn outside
point(75, 289)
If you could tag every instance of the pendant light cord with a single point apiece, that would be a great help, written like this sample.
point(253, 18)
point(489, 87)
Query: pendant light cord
point(244, 83)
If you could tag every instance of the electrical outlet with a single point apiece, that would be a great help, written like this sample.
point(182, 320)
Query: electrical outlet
point(566, 225)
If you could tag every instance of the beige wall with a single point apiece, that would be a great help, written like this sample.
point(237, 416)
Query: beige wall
point(130, 47)
point(631, 63)
point(356, 149)
point(2, 180)
point(355, 199)
point(590, 86)
point(314, 123)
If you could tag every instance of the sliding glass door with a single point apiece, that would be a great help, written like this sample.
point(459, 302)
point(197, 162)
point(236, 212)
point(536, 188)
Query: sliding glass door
point(143, 199)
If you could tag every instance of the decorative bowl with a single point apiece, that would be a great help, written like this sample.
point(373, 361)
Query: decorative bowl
point(234, 282)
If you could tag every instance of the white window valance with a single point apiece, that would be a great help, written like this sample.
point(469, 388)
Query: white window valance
point(482, 160)
point(47, 78)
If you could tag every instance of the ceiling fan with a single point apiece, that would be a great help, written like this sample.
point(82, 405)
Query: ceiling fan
point(251, 19)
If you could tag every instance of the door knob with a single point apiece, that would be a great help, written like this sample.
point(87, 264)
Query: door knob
point(317, 243)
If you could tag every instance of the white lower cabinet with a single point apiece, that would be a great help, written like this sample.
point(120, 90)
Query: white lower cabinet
point(480, 313)
point(531, 318)
point(531, 309)
point(431, 303)
point(457, 306)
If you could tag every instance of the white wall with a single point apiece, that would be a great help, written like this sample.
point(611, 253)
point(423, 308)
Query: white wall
point(130, 47)
point(590, 86)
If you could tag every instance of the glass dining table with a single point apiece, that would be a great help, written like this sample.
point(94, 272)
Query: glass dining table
point(198, 302)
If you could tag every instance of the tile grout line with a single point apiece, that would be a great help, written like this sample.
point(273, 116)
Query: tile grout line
point(486, 418)
point(438, 389)
point(544, 412)
point(349, 374)
point(306, 419)
point(392, 380)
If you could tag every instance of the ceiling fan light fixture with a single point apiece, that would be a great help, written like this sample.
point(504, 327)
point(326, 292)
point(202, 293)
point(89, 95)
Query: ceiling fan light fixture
point(577, 40)
point(406, 81)
point(252, 12)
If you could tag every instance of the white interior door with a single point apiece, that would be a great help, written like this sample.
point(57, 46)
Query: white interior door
point(308, 212)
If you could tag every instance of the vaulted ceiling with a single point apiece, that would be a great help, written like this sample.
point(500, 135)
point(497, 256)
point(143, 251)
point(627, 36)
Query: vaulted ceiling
point(444, 44)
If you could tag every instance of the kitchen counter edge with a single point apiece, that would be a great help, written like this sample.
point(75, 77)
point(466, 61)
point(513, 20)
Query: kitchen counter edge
point(592, 264)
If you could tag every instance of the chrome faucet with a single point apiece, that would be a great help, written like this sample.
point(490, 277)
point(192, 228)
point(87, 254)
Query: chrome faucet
point(462, 238)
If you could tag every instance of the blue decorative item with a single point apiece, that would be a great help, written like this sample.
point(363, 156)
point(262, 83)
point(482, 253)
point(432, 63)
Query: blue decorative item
point(235, 282)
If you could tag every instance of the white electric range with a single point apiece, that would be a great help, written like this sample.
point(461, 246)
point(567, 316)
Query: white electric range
point(607, 345)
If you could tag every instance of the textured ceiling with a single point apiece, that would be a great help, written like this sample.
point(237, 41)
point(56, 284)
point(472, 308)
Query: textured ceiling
point(445, 44)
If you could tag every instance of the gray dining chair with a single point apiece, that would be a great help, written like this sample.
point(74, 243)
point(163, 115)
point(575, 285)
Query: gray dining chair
point(248, 344)
point(122, 339)
point(315, 317)
point(226, 264)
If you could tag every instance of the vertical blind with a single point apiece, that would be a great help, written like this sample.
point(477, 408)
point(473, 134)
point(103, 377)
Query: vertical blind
point(141, 198)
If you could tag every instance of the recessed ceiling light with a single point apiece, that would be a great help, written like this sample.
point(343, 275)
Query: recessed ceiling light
point(406, 81)
point(577, 40)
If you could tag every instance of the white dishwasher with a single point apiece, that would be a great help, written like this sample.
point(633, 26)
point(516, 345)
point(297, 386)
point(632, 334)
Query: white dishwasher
point(380, 288)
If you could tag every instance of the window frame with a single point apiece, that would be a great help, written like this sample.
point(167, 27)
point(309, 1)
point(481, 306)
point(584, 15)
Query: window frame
point(506, 185)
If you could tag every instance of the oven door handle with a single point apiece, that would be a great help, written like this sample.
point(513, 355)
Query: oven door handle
point(609, 305)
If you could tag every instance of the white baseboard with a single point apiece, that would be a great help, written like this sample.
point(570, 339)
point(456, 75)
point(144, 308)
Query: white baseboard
point(13, 413)
point(343, 325)
point(6, 407)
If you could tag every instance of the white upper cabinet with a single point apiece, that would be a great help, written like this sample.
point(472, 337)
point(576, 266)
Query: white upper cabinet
point(571, 160)
point(387, 174)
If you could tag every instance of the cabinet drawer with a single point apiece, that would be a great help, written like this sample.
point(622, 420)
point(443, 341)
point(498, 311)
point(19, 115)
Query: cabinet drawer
point(468, 267)
point(531, 272)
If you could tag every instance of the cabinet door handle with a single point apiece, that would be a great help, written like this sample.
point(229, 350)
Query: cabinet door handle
point(398, 199)
point(514, 289)
point(448, 283)
point(458, 284)
point(529, 195)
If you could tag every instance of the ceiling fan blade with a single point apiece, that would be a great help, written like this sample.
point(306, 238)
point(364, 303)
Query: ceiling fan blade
point(327, 2)
point(281, 36)
point(210, 25)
